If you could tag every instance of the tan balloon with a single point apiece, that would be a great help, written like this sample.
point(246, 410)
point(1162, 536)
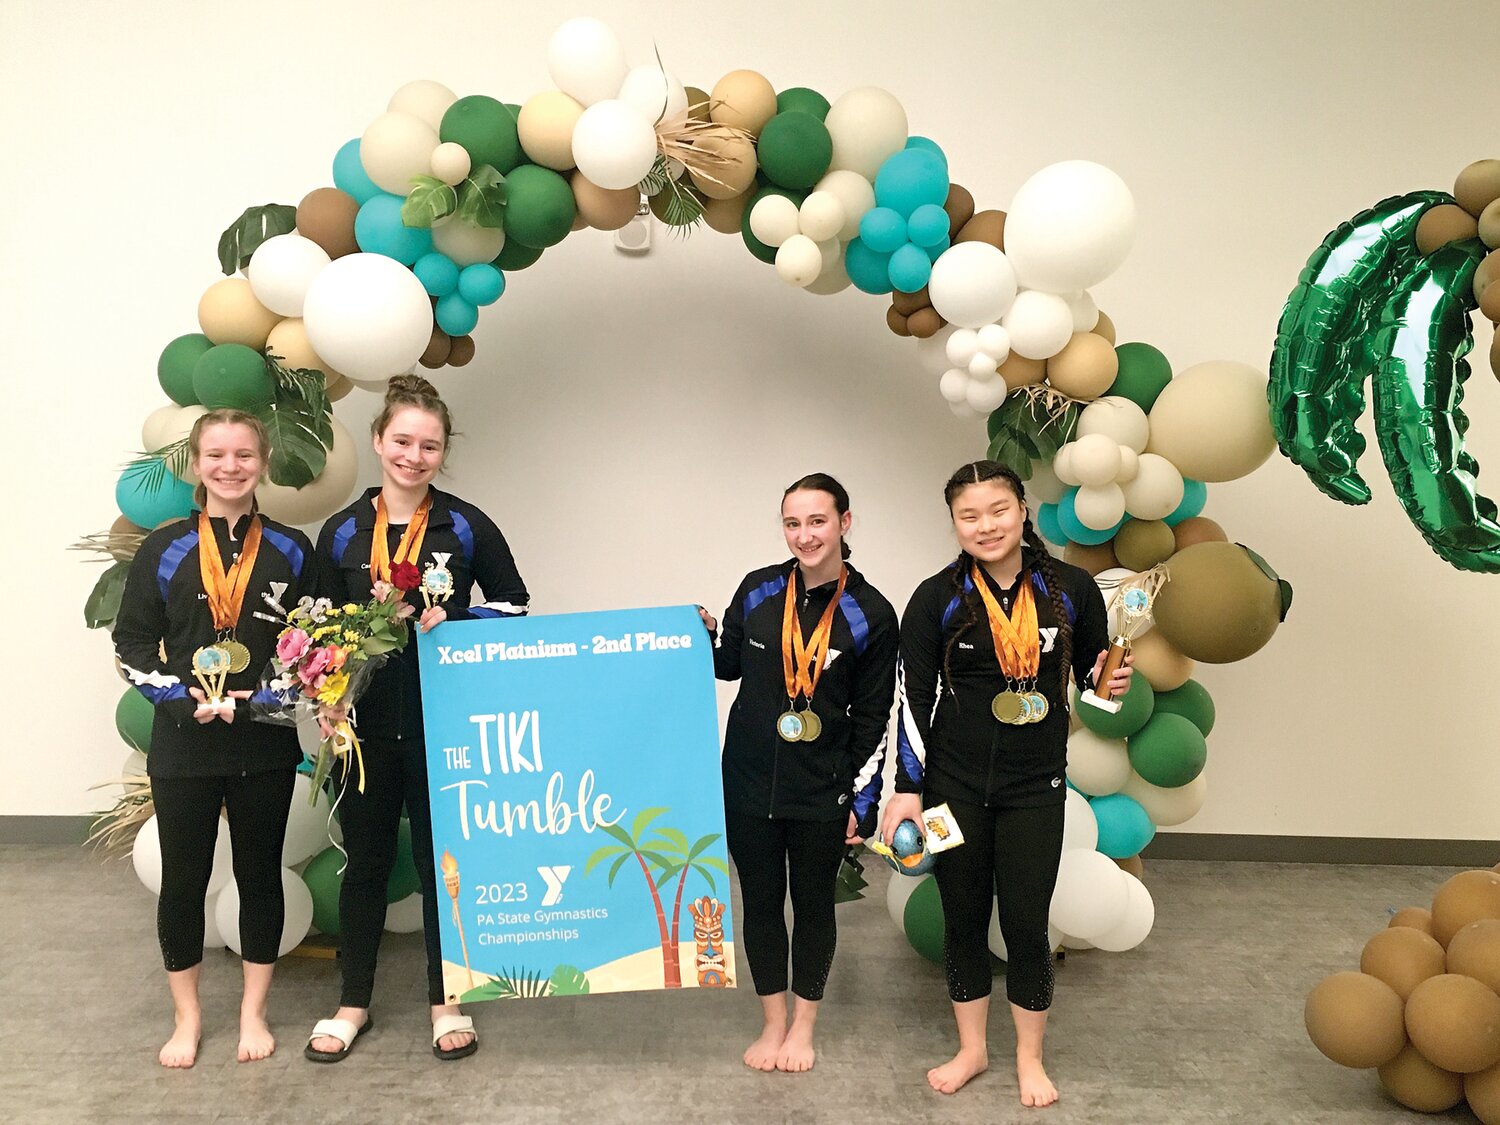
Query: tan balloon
point(1141, 544)
point(326, 216)
point(1478, 186)
point(1095, 559)
point(1018, 371)
point(289, 340)
point(325, 495)
point(1475, 952)
point(1085, 367)
point(1486, 272)
point(228, 313)
point(1489, 303)
point(1133, 865)
point(1482, 1089)
point(123, 528)
point(1219, 606)
point(697, 101)
point(1163, 666)
point(1445, 223)
point(725, 215)
point(1355, 1020)
point(1402, 957)
point(744, 99)
point(1418, 1085)
point(603, 208)
point(1489, 225)
point(985, 226)
point(732, 174)
point(1104, 327)
point(1466, 897)
point(1455, 1022)
point(337, 388)
point(1198, 529)
point(1168, 807)
point(1417, 917)
point(1211, 421)
point(545, 125)
point(467, 245)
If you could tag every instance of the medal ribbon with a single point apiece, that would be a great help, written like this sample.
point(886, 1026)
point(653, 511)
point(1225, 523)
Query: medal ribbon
point(1018, 643)
point(802, 664)
point(226, 592)
point(410, 547)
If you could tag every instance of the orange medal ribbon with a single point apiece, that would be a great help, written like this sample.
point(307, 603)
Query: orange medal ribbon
point(226, 592)
point(1018, 643)
point(802, 664)
point(410, 547)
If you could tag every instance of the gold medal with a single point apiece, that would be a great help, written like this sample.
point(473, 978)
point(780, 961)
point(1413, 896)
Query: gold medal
point(1007, 707)
point(1039, 706)
point(812, 726)
point(239, 655)
point(790, 726)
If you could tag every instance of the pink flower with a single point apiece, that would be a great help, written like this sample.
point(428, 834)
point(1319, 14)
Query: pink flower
point(291, 645)
point(404, 610)
point(315, 665)
point(382, 590)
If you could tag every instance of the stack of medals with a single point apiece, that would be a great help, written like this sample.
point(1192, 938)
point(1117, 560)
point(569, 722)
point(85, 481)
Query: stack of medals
point(407, 550)
point(437, 580)
point(1018, 647)
point(802, 664)
point(213, 664)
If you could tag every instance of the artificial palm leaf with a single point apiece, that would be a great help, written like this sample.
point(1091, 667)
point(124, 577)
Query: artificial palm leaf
point(244, 236)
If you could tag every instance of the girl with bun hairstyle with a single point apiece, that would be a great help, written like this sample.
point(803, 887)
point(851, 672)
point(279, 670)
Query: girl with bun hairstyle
point(194, 599)
point(988, 646)
point(405, 522)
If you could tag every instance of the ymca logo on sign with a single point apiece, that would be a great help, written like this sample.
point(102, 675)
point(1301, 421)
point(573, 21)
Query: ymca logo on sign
point(554, 877)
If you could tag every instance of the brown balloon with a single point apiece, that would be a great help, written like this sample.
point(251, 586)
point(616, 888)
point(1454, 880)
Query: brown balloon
point(908, 303)
point(896, 322)
point(1475, 952)
point(1466, 897)
point(1418, 1085)
point(1495, 355)
point(438, 347)
point(1141, 544)
point(1018, 371)
point(1455, 1022)
point(122, 527)
point(1219, 606)
point(985, 226)
point(1478, 186)
point(1417, 917)
point(326, 216)
point(1445, 223)
point(697, 101)
point(1195, 530)
point(1133, 865)
point(1482, 1089)
point(336, 388)
point(463, 351)
point(1095, 560)
point(605, 209)
point(1105, 327)
point(1355, 1020)
point(1402, 957)
point(724, 215)
point(960, 208)
point(925, 323)
point(1159, 664)
point(1485, 272)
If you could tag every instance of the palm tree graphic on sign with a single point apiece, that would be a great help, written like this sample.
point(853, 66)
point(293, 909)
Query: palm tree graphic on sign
point(664, 855)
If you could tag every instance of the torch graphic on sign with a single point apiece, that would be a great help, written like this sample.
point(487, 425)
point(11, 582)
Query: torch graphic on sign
point(450, 880)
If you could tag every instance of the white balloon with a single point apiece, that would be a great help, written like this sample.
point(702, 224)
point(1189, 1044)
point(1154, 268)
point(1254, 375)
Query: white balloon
point(1044, 487)
point(954, 385)
point(1085, 312)
point(1091, 894)
point(994, 341)
point(1097, 765)
point(307, 823)
point(1140, 915)
point(983, 367)
point(1095, 460)
point(961, 409)
point(985, 395)
point(396, 147)
point(296, 918)
point(405, 916)
point(1039, 324)
point(833, 278)
point(821, 216)
point(855, 194)
point(962, 346)
point(467, 245)
point(932, 352)
point(586, 60)
point(223, 866)
point(1062, 466)
point(1119, 418)
point(282, 270)
point(134, 765)
point(774, 220)
point(425, 100)
point(1156, 490)
point(972, 285)
point(368, 316)
point(1069, 227)
point(1080, 829)
point(653, 93)
point(1099, 506)
point(898, 890)
point(614, 145)
point(451, 163)
point(1130, 465)
point(798, 261)
point(867, 126)
point(315, 501)
point(1168, 807)
point(212, 939)
point(146, 858)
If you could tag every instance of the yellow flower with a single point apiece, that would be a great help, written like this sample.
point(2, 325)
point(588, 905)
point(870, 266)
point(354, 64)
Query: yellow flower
point(333, 611)
point(351, 637)
point(323, 631)
point(350, 607)
point(333, 688)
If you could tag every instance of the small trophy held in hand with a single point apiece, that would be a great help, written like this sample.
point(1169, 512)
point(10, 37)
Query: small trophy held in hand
point(1134, 601)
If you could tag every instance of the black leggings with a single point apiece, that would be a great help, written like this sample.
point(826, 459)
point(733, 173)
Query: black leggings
point(187, 819)
point(1012, 855)
point(395, 773)
point(764, 850)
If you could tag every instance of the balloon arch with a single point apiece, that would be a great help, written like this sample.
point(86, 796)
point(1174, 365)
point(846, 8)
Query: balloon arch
point(442, 199)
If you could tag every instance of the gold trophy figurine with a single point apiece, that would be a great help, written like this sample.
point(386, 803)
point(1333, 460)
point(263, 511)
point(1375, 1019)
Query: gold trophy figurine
point(450, 880)
point(1134, 599)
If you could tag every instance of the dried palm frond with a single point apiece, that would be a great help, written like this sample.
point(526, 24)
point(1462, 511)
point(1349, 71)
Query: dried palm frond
point(678, 140)
point(118, 545)
point(170, 458)
point(1059, 408)
point(112, 833)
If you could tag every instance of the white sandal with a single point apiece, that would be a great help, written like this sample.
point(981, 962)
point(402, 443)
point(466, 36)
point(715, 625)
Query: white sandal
point(454, 1025)
point(345, 1031)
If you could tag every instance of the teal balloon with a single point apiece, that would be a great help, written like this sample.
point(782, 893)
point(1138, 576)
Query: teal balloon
point(514, 256)
point(1192, 702)
point(802, 100)
point(1194, 496)
point(403, 880)
point(1136, 707)
point(324, 878)
point(1168, 751)
point(134, 715)
point(910, 267)
point(437, 272)
point(1075, 529)
point(1143, 374)
point(922, 920)
point(379, 230)
point(174, 369)
point(870, 271)
point(910, 178)
point(883, 230)
point(1124, 826)
point(935, 251)
point(539, 206)
point(928, 225)
point(455, 316)
point(794, 149)
point(927, 144)
point(349, 173)
point(481, 284)
point(1047, 524)
point(148, 494)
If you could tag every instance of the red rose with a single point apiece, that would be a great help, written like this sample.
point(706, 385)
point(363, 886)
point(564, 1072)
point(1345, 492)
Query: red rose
point(405, 576)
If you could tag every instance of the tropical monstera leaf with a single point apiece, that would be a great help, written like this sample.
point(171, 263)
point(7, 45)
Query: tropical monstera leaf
point(244, 236)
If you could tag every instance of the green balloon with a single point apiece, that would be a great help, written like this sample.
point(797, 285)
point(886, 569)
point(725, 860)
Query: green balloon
point(487, 131)
point(765, 253)
point(515, 256)
point(174, 370)
point(923, 919)
point(234, 376)
point(1136, 707)
point(539, 207)
point(795, 149)
point(323, 878)
point(1144, 374)
point(1192, 702)
point(802, 100)
point(403, 880)
point(133, 718)
point(1168, 751)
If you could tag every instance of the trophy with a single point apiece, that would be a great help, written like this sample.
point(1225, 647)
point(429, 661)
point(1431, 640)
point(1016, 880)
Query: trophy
point(1134, 600)
point(437, 581)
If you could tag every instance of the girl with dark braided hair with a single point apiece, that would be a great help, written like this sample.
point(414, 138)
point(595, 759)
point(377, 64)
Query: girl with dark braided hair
point(988, 646)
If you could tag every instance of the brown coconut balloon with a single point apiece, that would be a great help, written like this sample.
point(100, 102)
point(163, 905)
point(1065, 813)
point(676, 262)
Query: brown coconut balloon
point(1489, 303)
point(1095, 560)
point(1402, 957)
point(960, 208)
point(1495, 355)
point(1445, 223)
point(1466, 897)
point(438, 347)
point(1219, 605)
point(326, 216)
point(895, 320)
point(462, 351)
point(724, 215)
point(1475, 952)
point(985, 226)
point(1104, 327)
point(1478, 186)
point(1197, 529)
point(1455, 1022)
point(1355, 1020)
point(1141, 544)
point(925, 323)
point(1417, 917)
point(1132, 865)
point(1418, 1085)
point(905, 318)
point(1482, 1089)
point(1485, 272)
point(1489, 225)
point(122, 528)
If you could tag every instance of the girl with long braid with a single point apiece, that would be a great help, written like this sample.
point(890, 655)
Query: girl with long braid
point(988, 646)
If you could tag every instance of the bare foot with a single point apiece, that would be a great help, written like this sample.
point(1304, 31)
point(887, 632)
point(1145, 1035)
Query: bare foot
point(796, 1054)
point(454, 1040)
point(181, 1050)
point(356, 1016)
point(256, 1040)
point(953, 1075)
point(762, 1054)
point(1036, 1087)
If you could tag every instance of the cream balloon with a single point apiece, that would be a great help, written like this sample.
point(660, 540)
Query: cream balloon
point(586, 61)
point(368, 315)
point(1080, 827)
point(329, 491)
point(798, 261)
point(1062, 466)
point(653, 93)
point(1119, 419)
point(396, 147)
point(1156, 490)
point(1168, 807)
point(1211, 421)
point(281, 271)
point(774, 219)
point(821, 216)
point(1130, 465)
point(972, 285)
point(614, 145)
point(545, 126)
point(1040, 324)
point(1069, 227)
point(834, 278)
point(867, 126)
point(1099, 506)
point(1095, 462)
point(405, 916)
point(467, 245)
point(1044, 487)
point(169, 424)
point(1097, 765)
point(425, 100)
point(854, 192)
point(451, 163)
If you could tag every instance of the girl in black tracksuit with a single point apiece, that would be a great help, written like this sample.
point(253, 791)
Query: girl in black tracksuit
point(203, 759)
point(1005, 783)
point(792, 806)
point(411, 436)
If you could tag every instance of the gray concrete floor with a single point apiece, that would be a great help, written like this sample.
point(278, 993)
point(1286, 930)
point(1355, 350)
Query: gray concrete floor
point(1201, 1023)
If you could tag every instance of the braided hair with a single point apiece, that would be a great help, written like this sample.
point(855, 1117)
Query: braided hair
point(977, 472)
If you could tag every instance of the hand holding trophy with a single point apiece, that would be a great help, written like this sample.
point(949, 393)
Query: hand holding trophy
point(1134, 600)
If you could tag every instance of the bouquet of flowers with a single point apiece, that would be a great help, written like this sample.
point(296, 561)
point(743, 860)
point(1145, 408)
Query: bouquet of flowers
point(325, 658)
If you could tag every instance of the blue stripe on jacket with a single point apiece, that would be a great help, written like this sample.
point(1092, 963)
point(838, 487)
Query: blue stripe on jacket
point(172, 558)
point(858, 625)
point(465, 535)
point(767, 589)
point(287, 546)
point(341, 539)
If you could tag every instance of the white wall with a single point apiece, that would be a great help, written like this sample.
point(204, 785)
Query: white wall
point(630, 423)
